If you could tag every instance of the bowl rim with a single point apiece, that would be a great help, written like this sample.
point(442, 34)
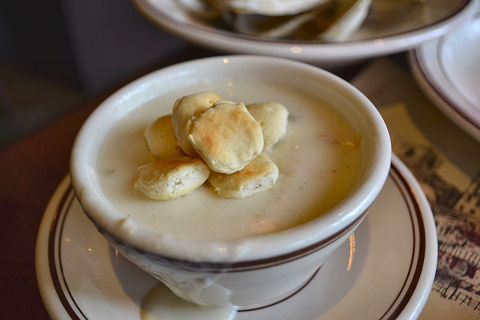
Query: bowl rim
point(339, 219)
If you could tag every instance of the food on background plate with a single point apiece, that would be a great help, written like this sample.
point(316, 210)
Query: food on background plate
point(325, 20)
point(266, 7)
point(333, 20)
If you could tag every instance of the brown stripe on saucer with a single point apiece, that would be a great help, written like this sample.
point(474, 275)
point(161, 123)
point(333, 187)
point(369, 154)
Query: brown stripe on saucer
point(63, 206)
point(399, 180)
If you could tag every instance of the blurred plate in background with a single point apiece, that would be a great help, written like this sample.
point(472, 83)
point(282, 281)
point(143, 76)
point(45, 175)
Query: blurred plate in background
point(381, 33)
point(448, 71)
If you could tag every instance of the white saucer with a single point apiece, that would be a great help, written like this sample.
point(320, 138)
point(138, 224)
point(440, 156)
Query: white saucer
point(448, 71)
point(372, 39)
point(384, 271)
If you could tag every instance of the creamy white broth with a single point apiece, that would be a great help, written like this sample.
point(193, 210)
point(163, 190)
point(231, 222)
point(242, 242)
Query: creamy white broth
point(318, 160)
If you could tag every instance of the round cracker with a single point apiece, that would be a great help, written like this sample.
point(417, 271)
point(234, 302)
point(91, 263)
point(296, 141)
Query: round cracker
point(259, 175)
point(186, 108)
point(273, 118)
point(170, 178)
point(226, 136)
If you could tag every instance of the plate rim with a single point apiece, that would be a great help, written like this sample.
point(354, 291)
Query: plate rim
point(409, 308)
point(435, 91)
point(305, 50)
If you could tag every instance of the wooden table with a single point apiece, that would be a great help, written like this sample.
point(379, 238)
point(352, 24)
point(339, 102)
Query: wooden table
point(31, 170)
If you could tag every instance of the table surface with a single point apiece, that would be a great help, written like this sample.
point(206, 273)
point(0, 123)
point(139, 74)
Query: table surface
point(31, 170)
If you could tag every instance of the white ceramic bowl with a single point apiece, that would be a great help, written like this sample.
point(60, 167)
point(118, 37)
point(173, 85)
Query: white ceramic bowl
point(244, 272)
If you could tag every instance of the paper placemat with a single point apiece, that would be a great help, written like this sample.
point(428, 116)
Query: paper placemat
point(446, 162)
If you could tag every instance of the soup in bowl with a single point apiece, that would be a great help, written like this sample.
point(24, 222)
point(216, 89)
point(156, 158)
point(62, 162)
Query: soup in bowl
point(249, 251)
